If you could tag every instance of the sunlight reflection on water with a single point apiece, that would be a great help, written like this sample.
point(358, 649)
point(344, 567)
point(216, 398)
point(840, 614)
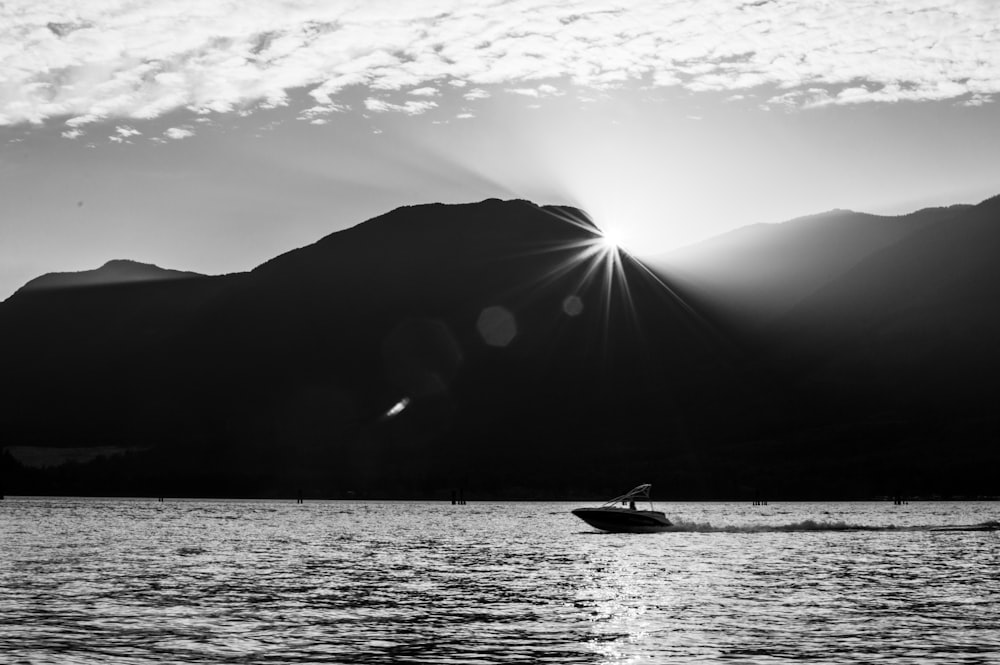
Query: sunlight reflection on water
point(130, 581)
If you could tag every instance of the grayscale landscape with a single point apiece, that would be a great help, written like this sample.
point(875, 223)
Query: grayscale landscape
point(508, 331)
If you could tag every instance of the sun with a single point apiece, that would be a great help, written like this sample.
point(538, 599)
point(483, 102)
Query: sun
point(611, 238)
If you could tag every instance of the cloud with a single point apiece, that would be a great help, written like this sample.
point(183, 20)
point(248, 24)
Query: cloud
point(178, 133)
point(977, 100)
point(425, 92)
point(123, 133)
point(476, 93)
point(410, 107)
point(82, 120)
point(319, 111)
point(544, 90)
point(93, 60)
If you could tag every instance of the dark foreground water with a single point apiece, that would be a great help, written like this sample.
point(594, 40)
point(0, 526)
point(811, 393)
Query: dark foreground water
point(135, 581)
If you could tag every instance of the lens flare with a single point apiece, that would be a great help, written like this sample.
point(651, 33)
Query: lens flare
point(612, 238)
point(600, 281)
point(599, 259)
point(397, 408)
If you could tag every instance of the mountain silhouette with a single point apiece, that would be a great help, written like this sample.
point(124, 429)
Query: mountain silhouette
point(915, 320)
point(897, 356)
point(497, 344)
point(118, 271)
point(755, 274)
point(502, 348)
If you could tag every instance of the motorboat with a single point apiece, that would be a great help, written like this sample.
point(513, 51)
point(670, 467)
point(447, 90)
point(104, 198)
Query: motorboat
point(620, 514)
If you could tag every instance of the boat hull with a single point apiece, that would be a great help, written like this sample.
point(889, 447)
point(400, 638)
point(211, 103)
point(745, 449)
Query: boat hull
point(621, 520)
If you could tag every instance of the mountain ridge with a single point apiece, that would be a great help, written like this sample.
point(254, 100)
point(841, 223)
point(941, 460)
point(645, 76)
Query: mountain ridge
point(473, 345)
point(113, 272)
point(488, 321)
point(948, 270)
point(756, 273)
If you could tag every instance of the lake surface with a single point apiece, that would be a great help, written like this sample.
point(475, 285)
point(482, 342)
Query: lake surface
point(136, 581)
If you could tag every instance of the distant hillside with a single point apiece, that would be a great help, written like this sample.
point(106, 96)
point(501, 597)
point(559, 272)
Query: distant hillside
point(113, 272)
point(757, 273)
point(480, 346)
point(915, 324)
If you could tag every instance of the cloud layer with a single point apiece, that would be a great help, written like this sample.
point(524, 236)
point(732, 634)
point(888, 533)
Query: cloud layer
point(81, 61)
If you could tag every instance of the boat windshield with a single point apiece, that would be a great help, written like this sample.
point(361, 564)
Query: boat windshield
point(640, 492)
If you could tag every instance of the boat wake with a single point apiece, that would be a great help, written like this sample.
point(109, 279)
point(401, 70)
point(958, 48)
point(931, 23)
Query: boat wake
point(681, 525)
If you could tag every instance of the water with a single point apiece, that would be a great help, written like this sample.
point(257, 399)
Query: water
point(136, 581)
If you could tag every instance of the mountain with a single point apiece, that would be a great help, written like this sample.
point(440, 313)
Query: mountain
point(119, 271)
point(756, 273)
point(498, 345)
point(880, 332)
point(502, 348)
point(900, 353)
point(917, 317)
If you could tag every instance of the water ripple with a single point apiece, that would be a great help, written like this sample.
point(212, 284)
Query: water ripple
point(135, 582)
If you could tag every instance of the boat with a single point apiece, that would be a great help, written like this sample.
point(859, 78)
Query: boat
point(620, 515)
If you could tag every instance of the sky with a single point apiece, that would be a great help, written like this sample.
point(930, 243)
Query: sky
point(212, 136)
